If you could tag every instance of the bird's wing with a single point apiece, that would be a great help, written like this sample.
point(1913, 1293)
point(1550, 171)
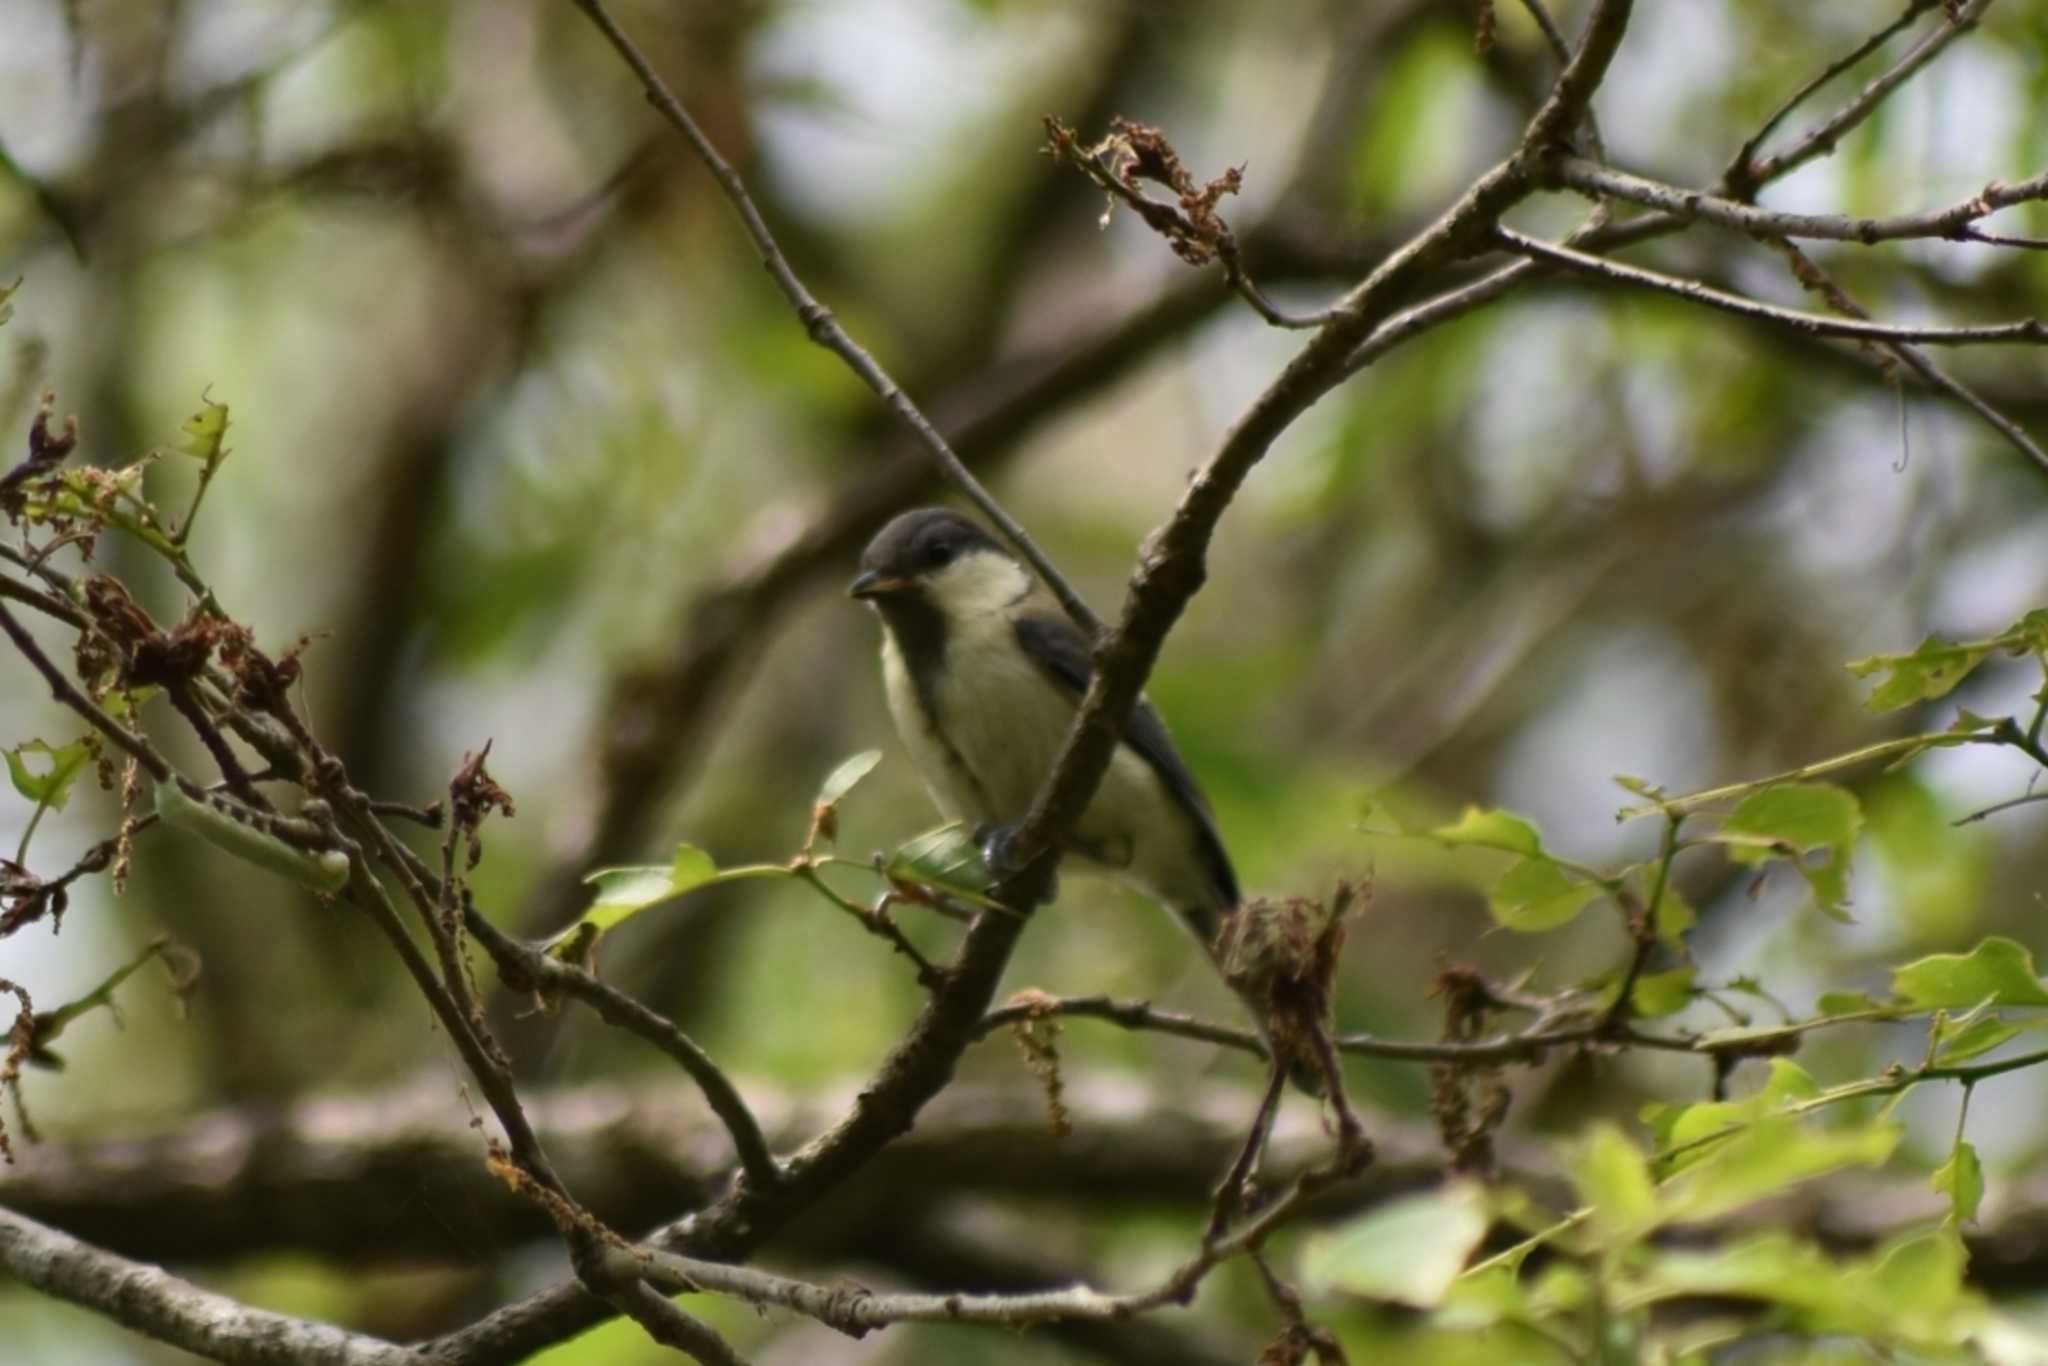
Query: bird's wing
point(1057, 647)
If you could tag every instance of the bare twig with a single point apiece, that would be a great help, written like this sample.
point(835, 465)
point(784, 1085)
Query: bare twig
point(1952, 222)
point(857, 1311)
point(532, 970)
point(1740, 170)
point(669, 1325)
point(1822, 139)
point(824, 329)
point(2026, 330)
point(2002, 239)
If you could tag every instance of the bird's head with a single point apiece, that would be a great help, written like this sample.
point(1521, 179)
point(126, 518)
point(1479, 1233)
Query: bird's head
point(940, 561)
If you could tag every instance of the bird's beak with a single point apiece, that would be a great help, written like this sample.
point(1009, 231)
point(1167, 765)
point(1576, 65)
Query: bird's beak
point(874, 584)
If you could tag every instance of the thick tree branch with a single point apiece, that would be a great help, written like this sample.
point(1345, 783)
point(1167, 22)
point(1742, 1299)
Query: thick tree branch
point(151, 1301)
point(1171, 567)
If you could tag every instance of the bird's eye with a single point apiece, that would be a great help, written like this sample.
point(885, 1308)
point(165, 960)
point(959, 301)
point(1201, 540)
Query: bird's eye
point(938, 554)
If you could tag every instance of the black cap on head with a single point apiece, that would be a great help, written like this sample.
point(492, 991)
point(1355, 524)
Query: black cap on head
point(917, 543)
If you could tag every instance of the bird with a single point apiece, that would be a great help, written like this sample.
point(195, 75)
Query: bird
point(984, 674)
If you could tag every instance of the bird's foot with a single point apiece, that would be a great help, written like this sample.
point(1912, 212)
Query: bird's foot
point(1000, 855)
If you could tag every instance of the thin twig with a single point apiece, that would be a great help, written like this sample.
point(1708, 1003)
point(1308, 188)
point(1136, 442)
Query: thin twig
point(2002, 239)
point(856, 1311)
point(1951, 222)
point(66, 692)
point(2022, 331)
point(1822, 140)
point(1740, 170)
point(668, 1324)
point(2028, 800)
point(824, 329)
point(534, 970)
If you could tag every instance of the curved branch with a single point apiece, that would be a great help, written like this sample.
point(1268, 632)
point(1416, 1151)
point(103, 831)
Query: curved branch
point(540, 972)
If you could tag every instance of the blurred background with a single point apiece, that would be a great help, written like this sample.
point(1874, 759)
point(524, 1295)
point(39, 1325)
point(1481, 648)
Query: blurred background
point(524, 438)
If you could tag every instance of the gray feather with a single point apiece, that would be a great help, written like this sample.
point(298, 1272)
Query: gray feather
point(1055, 645)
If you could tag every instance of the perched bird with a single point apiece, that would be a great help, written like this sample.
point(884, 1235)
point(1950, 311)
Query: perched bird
point(984, 674)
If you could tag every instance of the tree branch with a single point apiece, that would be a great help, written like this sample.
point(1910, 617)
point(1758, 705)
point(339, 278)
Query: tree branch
point(1821, 140)
point(1592, 179)
point(538, 971)
point(1170, 570)
point(824, 329)
point(151, 1301)
point(2027, 330)
point(1739, 171)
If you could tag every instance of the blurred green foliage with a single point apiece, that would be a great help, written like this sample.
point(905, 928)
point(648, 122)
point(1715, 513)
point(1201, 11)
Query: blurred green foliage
point(512, 399)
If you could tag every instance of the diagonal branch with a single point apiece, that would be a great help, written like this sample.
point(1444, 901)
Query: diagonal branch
point(824, 328)
point(1739, 171)
point(1744, 177)
point(540, 972)
point(1170, 569)
point(1169, 574)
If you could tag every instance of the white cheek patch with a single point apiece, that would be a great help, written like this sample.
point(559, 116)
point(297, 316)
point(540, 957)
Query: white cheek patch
point(978, 584)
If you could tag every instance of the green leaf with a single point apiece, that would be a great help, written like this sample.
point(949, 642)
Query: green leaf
point(1908, 1294)
point(1483, 1297)
point(1792, 820)
point(1913, 1291)
point(1845, 1003)
point(623, 893)
point(1673, 917)
point(205, 432)
point(1641, 787)
point(1408, 1250)
point(1802, 816)
point(1535, 895)
point(1997, 972)
point(1960, 1040)
point(945, 859)
point(1492, 829)
point(1663, 993)
point(1961, 1179)
point(1612, 1176)
point(842, 779)
point(1774, 1267)
point(1684, 1125)
point(1933, 670)
point(1768, 1156)
point(52, 786)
